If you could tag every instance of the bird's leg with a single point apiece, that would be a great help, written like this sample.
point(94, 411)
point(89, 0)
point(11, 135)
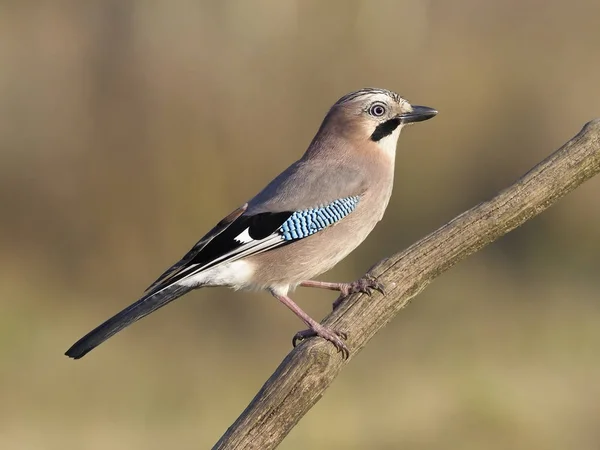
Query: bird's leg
point(315, 328)
point(363, 285)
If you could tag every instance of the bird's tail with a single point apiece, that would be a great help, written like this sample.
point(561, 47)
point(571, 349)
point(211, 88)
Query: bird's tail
point(144, 306)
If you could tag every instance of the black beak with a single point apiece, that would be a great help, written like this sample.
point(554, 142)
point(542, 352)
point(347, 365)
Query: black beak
point(418, 114)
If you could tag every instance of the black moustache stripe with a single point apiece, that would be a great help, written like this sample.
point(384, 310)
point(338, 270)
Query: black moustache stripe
point(385, 129)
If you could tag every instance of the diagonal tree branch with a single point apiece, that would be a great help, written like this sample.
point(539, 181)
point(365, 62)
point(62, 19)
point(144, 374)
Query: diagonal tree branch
point(308, 370)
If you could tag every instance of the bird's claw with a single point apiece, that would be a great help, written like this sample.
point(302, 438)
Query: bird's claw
point(365, 285)
point(334, 336)
point(372, 283)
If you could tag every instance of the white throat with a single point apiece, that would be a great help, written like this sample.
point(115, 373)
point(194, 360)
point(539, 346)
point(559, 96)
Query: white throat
point(388, 143)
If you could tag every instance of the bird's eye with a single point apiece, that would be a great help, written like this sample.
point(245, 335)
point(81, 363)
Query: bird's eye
point(377, 110)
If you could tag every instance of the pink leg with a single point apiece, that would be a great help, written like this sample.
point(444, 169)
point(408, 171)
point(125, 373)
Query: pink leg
point(315, 328)
point(363, 285)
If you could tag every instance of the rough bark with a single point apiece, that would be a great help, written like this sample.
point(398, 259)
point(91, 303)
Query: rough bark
point(308, 370)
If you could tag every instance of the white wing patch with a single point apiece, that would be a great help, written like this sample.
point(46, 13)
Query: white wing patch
point(222, 268)
point(243, 237)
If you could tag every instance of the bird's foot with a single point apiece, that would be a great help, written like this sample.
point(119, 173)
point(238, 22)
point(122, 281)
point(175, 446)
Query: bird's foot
point(364, 285)
point(334, 336)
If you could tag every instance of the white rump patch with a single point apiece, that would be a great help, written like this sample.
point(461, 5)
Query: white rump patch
point(235, 274)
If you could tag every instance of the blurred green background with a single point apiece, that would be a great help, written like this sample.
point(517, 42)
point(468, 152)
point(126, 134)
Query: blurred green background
point(128, 128)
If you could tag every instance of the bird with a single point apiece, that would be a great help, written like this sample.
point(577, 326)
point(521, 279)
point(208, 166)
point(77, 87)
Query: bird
point(305, 221)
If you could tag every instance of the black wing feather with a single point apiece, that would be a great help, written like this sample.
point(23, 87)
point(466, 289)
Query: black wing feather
point(259, 227)
point(221, 241)
point(219, 228)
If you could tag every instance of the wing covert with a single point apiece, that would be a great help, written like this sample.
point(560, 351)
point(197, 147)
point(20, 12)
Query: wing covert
point(240, 235)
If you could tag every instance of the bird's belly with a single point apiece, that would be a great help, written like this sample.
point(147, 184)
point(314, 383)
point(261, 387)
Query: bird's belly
point(306, 258)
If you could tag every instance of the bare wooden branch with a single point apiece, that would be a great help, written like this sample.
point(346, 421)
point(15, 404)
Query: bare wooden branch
point(307, 371)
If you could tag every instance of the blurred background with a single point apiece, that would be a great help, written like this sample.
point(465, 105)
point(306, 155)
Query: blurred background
point(128, 128)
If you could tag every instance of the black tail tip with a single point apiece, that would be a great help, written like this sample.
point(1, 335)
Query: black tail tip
point(76, 353)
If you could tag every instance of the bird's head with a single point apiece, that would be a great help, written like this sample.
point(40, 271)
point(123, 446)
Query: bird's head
point(374, 115)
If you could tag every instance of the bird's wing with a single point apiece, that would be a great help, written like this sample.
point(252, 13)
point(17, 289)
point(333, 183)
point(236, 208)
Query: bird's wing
point(241, 235)
point(236, 236)
point(217, 229)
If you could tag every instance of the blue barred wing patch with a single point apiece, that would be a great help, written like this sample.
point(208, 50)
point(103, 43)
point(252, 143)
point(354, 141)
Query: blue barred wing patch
point(309, 221)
